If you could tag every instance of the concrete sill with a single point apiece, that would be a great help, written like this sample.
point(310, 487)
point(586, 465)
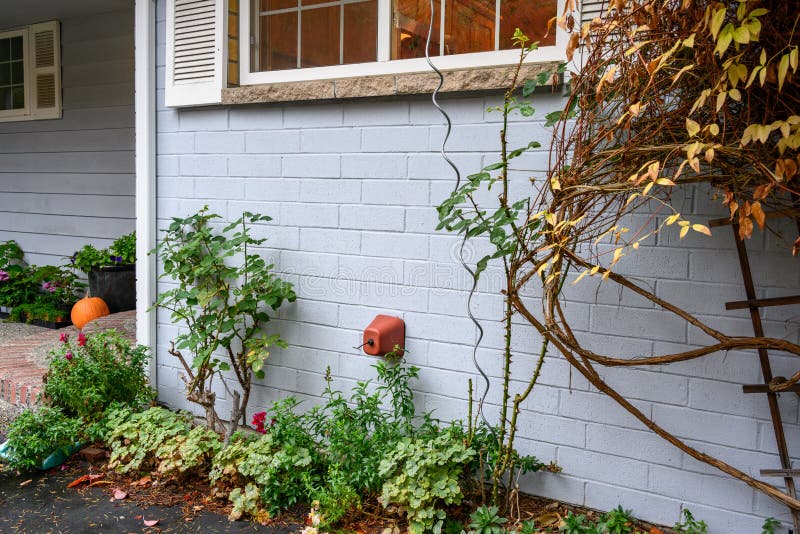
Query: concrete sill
point(455, 81)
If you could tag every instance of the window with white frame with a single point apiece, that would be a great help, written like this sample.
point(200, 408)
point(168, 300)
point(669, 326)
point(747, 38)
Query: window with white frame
point(30, 77)
point(292, 40)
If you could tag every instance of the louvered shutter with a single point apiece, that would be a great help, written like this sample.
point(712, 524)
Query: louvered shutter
point(591, 9)
point(195, 52)
point(44, 45)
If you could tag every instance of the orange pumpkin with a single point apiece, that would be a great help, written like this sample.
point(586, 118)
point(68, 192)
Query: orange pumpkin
point(88, 309)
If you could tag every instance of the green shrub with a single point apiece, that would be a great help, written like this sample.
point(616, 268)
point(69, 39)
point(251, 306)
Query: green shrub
point(423, 476)
point(485, 520)
point(88, 374)
point(34, 435)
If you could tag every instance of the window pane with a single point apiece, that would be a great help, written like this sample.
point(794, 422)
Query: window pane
point(411, 20)
point(530, 17)
point(5, 74)
point(17, 72)
point(16, 47)
point(5, 98)
point(319, 44)
point(314, 2)
point(18, 97)
point(270, 5)
point(5, 49)
point(469, 26)
point(279, 41)
point(361, 32)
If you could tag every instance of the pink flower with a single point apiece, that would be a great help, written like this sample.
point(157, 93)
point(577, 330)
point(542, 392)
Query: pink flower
point(64, 337)
point(68, 355)
point(81, 340)
point(3, 276)
point(50, 286)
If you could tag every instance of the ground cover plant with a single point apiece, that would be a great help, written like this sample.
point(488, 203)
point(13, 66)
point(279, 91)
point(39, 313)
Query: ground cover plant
point(223, 296)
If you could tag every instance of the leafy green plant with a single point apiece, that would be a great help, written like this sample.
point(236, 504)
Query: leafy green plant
point(577, 524)
point(89, 373)
point(223, 295)
point(10, 254)
point(189, 453)
point(123, 249)
point(34, 435)
point(485, 520)
point(245, 501)
point(769, 525)
point(37, 311)
point(89, 258)
point(423, 477)
point(690, 525)
point(617, 521)
point(284, 463)
point(135, 441)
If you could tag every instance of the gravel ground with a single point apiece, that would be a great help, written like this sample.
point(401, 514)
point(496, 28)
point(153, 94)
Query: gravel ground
point(11, 331)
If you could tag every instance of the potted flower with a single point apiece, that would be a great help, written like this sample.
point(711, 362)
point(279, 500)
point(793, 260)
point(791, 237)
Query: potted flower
point(55, 290)
point(111, 272)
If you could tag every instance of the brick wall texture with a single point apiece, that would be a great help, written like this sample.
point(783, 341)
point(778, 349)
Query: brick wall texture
point(352, 189)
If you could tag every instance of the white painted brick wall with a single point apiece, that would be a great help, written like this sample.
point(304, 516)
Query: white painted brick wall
point(352, 189)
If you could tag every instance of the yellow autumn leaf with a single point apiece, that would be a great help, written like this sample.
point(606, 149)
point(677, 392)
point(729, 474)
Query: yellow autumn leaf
point(694, 163)
point(783, 69)
point(555, 184)
point(716, 22)
point(672, 218)
point(692, 127)
point(713, 129)
point(701, 228)
point(631, 198)
point(710, 155)
point(684, 231)
point(664, 181)
point(741, 35)
point(721, 100)
point(580, 276)
point(618, 253)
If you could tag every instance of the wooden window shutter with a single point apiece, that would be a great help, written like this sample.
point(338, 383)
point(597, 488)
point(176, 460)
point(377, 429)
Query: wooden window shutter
point(196, 32)
point(44, 45)
point(592, 9)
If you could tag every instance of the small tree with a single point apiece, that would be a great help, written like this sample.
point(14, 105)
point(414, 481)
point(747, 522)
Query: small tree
point(223, 296)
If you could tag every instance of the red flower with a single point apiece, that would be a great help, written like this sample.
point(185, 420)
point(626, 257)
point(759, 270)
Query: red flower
point(68, 355)
point(81, 340)
point(258, 421)
point(64, 337)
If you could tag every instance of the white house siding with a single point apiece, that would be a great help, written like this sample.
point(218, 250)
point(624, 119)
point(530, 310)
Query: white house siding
point(352, 188)
point(70, 181)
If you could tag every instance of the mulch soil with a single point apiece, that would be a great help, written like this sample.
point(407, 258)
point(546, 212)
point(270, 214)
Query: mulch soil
point(107, 502)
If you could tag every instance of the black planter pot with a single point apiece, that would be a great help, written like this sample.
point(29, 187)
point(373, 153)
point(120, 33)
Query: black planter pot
point(116, 285)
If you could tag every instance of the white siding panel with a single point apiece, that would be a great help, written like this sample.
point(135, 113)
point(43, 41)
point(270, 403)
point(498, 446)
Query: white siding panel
point(70, 181)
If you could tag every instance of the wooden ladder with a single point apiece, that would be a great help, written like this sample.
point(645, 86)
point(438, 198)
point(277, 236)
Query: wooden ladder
point(755, 304)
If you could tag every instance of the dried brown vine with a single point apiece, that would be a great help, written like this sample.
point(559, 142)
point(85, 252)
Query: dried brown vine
point(670, 94)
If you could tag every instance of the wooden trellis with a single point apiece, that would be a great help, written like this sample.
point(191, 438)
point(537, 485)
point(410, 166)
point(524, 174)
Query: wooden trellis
point(755, 304)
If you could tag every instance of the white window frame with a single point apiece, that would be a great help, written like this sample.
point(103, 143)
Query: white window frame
point(385, 65)
point(24, 113)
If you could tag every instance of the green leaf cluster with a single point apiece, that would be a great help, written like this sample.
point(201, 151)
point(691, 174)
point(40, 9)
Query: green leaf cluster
point(161, 441)
point(121, 251)
point(34, 435)
point(423, 477)
point(107, 369)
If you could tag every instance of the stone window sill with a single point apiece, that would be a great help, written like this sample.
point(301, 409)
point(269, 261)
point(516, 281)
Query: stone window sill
point(455, 81)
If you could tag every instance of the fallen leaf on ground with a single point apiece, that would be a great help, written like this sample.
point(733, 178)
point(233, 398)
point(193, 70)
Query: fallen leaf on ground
point(83, 480)
point(145, 480)
point(26, 482)
point(654, 530)
point(119, 494)
point(150, 522)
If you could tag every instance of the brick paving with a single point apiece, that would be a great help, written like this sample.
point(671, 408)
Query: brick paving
point(21, 376)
